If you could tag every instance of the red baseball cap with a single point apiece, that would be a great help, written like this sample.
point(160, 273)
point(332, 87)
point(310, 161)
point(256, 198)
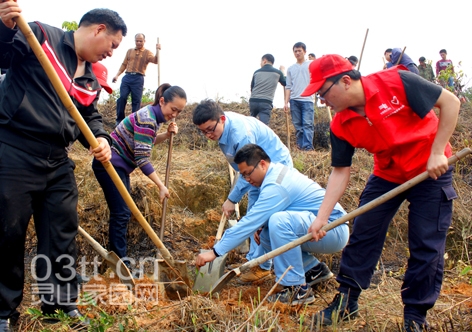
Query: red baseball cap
point(102, 75)
point(325, 67)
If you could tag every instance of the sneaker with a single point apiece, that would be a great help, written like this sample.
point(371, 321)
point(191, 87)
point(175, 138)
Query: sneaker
point(6, 325)
point(339, 309)
point(254, 274)
point(412, 326)
point(317, 274)
point(293, 295)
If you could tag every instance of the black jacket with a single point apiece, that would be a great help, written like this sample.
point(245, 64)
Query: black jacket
point(32, 116)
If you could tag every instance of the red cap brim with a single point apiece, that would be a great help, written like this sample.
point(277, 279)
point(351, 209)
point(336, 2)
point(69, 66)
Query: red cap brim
point(312, 88)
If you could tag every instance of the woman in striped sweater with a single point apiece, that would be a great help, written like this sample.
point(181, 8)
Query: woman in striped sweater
point(133, 140)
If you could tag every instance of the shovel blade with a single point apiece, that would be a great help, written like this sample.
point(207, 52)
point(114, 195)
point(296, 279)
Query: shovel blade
point(174, 278)
point(118, 267)
point(204, 280)
point(221, 283)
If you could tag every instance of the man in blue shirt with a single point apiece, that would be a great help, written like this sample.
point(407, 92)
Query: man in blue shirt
point(287, 205)
point(233, 131)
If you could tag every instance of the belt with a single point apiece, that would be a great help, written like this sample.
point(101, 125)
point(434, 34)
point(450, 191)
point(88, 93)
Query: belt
point(129, 73)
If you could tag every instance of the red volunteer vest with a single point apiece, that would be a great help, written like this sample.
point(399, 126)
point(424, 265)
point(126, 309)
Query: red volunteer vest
point(399, 139)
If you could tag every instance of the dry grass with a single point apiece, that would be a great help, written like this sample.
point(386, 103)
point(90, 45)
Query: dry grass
point(199, 184)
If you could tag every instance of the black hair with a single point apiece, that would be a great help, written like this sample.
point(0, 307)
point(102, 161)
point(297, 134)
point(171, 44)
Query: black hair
point(299, 45)
point(422, 59)
point(140, 34)
point(269, 57)
point(353, 60)
point(353, 74)
point(205, 111)
point(110, 18)
point(169, 92)
point(443, 51)
point(251, 154)
point(312, 54)
point(388, 50)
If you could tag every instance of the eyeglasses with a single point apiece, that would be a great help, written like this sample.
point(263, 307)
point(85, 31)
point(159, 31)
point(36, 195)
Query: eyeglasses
point(210, 131)
point(321, 96)
point(248, 175)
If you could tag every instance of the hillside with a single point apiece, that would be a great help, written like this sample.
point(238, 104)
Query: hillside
point(199, 184)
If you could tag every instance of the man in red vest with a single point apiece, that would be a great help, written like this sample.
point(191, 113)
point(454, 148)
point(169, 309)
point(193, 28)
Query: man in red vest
point(389, 114)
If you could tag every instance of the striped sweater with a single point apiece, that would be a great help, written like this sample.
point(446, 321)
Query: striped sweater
point(134, 138)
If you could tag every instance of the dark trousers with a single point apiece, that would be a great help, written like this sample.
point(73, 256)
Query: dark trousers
point(262, 109)
point(133, 84)
point(430, 215)
point(45, 189)
point(119, 211)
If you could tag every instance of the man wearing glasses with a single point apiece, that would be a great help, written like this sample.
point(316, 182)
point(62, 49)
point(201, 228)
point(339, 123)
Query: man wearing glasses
point(389, 114)
point(287, 205)
point(233, 131)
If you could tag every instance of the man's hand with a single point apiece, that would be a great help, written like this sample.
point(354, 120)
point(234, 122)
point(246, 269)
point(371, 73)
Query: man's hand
point(315, 229)
point(437, 165)
point(205, 257)
point(228, 208)
point(102, 152)
point(158, 46)
point(114, 79)
point(9, 10)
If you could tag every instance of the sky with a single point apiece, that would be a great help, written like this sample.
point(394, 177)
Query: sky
point(211, 48)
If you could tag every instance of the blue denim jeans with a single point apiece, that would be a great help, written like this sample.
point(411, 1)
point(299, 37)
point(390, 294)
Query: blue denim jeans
point(119, 211)
point(303, 119)
point(429, 218)
point(287, 226)
point(133, 84)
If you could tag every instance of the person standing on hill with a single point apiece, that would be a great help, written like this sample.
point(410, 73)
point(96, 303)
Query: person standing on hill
point(426, 70)
point(263, 86)
point(132, 143)
point(442, 65)
point(36, 175)
point(388, 113)
point(301, 108)
point(135, 64)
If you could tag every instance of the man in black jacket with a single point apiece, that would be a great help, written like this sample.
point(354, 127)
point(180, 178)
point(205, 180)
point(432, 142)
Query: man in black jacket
point(36, 176)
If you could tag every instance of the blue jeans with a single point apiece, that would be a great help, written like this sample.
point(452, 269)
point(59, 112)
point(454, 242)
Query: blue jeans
point(119, 211)
point(287, 226)
point(133, 84)
point(303, 119)
point(262, 109)
point(429, 218)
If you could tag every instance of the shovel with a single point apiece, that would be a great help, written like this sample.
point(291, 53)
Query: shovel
point(205, 278)
point(112, 259)
point(218, 286)
point(178, 269)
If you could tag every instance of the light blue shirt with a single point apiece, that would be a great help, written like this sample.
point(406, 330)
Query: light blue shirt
point(240, 130)
point(283, 189)
point(298, 78)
